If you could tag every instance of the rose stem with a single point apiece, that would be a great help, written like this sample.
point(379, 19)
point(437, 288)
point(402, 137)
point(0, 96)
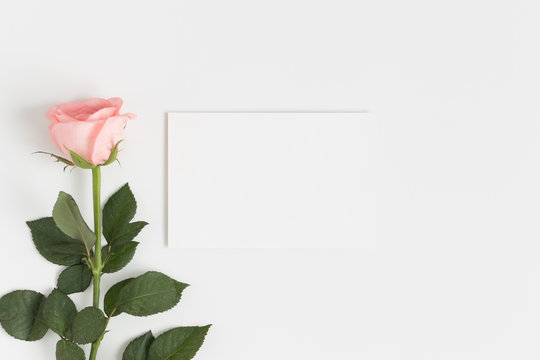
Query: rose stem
point(97, 266)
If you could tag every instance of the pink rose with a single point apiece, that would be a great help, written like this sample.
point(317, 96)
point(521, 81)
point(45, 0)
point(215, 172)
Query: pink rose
point(90, 128)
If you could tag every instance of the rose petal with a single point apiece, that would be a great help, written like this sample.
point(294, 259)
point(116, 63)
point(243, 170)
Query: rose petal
point(77, 136)
point(97, 103)
point(116, 101)
point(51, 114)
point(74, 111)
point(103, 114)
point(109, 135)
point(63, 117)
point(56, 113)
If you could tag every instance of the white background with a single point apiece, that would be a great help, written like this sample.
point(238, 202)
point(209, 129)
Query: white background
point(454, 85)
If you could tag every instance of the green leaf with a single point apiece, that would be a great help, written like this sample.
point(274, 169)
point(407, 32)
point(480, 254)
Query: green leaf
point(74, 279)
point(68, 218)
point(117, 214)
point(181, 343)
point(88, 325)
point(57, 312)
point(119, 209)
point(53, 244)
point(149, 294)
point(113, 155)
point(138, 348)
point(18, 312)
point(128, 232)
point(118, 256)
point(80, 161)
point(66, 350)
point(111, 297)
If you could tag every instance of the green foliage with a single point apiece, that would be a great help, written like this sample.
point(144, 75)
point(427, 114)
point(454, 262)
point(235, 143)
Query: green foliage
point(53, 244)
point(67, 350)
point(111, 297)
point(80, 161)
point(128, 232)
point(75, 278)
point(181, 343)
point(57, 312)
point(117, 214)
point(66, 239)
point(88, 325)
point(68, 218)
point(147, 294)
point(138, 348)
point(117, 256)
point(18, 311)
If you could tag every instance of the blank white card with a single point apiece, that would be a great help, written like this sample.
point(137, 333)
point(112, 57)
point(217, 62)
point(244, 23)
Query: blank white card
point(271, 180)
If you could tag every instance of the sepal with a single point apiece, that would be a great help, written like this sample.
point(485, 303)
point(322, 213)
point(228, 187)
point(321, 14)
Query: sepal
point(114, 153)
point(79, 161)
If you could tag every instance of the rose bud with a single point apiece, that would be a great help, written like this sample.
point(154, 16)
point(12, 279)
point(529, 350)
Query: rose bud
point(90, 128)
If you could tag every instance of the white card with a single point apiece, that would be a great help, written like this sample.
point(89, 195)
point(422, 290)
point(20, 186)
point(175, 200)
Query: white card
point(272, 180)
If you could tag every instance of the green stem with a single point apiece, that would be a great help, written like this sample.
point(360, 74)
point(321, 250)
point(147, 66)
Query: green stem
point(97, 265)
point(94, 350)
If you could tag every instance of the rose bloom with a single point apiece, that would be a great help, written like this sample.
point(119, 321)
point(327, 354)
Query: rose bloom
point(90, 128)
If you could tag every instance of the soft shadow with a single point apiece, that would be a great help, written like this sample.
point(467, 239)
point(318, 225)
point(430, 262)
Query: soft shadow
point(166, 181)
